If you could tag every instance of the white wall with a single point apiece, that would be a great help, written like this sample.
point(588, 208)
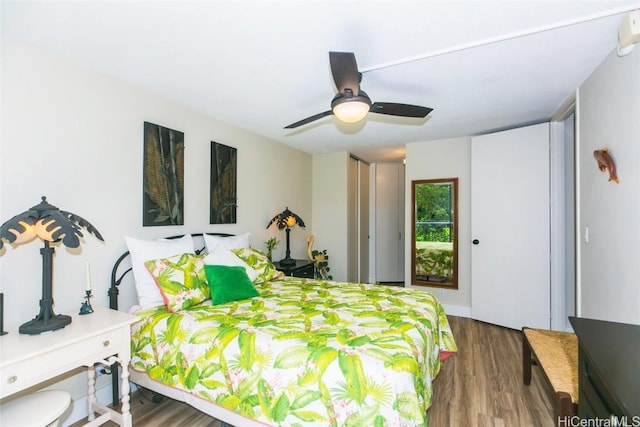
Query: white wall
point(75, 136)
point(444, 159)
point(608, 115)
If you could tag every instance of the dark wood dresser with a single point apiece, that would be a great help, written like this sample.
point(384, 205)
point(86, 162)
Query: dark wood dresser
point(608, 369)
point(302, 268)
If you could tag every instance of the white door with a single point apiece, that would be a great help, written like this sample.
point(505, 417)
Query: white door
point(510, 254)
point(352, 218)
point(358, 217)
point(389, 225)
point(363, 218)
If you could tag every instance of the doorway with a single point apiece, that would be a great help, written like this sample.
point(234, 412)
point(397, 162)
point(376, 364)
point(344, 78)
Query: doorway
point(563, 217)
point(387, 224)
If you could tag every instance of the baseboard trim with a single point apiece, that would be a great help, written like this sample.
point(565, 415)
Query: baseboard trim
point(457, 310)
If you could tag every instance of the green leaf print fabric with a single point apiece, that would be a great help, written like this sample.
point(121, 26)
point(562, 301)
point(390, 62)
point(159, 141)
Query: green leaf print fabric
point(181, 279)
point(304, 353)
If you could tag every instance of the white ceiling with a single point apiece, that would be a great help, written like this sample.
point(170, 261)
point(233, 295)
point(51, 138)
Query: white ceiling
point(262, 65)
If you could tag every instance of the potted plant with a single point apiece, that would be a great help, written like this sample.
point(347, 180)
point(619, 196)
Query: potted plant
point(322, 264)
point(271, 244)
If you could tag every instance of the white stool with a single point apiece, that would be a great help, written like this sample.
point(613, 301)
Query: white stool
point(41, 409)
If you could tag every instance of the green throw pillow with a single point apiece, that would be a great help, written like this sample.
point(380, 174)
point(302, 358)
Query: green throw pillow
point(229, 283)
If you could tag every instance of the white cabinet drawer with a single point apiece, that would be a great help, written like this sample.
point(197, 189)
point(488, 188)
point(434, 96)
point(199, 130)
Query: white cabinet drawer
point(29, 371)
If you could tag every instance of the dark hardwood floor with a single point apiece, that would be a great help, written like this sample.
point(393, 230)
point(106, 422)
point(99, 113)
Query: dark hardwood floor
point(479, 386)
point(482, 384)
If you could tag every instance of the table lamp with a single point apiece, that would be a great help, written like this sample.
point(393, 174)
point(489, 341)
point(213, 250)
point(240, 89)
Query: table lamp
point(50, 224)
point(285, 220)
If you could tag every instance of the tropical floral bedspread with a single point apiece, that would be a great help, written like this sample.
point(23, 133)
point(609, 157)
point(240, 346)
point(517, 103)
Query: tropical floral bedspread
point(304, 353)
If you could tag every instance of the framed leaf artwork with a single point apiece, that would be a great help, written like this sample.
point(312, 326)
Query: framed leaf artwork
point(163, 180)
point(224, 182)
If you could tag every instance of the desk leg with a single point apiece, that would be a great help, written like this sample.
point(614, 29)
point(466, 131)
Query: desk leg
point(122, 417)
point(126, 410)
point(91, 391)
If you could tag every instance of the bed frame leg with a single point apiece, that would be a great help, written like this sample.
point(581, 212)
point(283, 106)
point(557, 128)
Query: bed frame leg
point(564, 404)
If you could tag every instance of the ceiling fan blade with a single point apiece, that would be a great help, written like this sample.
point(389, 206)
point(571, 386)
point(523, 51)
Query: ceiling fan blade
point(345, 71)
point(309, 119)
point(405, 110)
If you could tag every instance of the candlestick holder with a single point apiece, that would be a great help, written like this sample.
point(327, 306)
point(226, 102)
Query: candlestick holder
point(86, 305)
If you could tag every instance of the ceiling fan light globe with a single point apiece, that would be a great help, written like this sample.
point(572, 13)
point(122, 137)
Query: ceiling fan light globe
point(351, 109)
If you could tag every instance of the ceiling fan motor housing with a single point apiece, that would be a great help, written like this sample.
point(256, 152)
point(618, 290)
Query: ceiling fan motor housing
point(348, 96)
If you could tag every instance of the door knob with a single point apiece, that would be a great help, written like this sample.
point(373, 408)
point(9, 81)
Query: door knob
point(475, 241)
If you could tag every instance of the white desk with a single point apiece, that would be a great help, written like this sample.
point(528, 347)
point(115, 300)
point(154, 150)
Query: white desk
point(27, 360)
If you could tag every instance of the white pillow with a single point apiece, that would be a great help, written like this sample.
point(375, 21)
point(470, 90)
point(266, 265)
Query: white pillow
point(228, 242)
point(144, 250)
point(223, 256)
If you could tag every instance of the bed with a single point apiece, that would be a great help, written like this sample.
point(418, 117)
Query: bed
point(302, 352)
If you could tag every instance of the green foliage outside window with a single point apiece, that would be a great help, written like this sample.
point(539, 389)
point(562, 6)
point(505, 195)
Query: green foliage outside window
point(434, 214)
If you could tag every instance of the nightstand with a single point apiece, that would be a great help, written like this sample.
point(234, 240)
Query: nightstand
point(302, 268)
point(101, 337)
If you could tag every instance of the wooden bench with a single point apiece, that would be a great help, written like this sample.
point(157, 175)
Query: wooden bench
point(557, 355)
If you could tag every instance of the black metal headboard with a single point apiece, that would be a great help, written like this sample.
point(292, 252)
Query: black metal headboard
point(117, 276)
point(116, 279)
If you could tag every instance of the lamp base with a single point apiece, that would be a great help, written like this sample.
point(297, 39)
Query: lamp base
point(40, 325)
point(287, 262)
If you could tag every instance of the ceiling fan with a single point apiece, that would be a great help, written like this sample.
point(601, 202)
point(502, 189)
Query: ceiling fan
point(351, 104)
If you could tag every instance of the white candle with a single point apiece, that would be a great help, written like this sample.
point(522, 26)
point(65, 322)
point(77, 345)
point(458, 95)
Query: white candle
point(88, 277)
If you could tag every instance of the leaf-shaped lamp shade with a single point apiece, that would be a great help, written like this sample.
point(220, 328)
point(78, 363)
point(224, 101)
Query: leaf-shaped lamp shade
point(46, 230)
point(291, 221)
point(49, 224)
point(25, 236)
point(286, 219)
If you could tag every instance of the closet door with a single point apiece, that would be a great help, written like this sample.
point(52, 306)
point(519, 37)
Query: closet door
point(389, 226)
point(358, 221)
point(510, 258)
point(363, 219)
point(352, 220)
